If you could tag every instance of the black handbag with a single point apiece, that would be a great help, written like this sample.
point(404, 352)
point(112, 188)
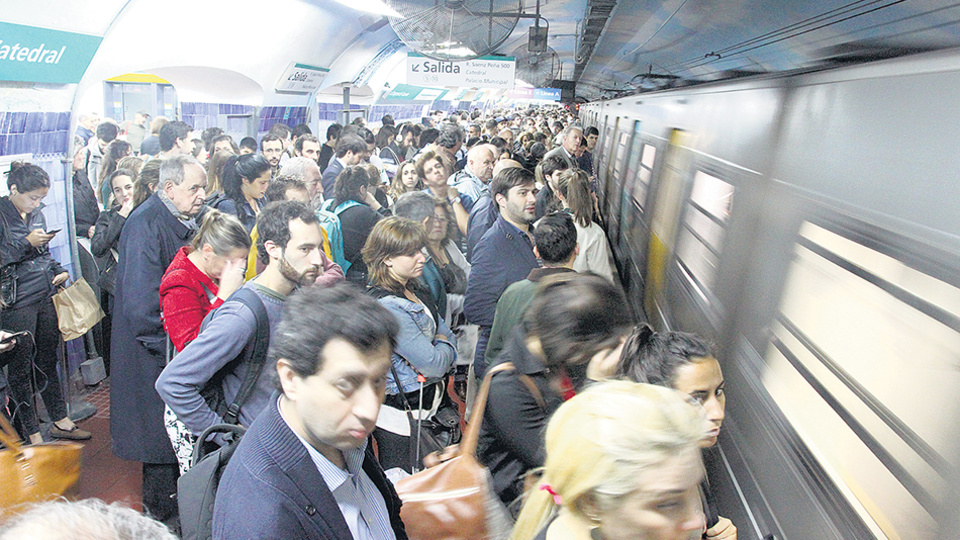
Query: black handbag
point(432, 434)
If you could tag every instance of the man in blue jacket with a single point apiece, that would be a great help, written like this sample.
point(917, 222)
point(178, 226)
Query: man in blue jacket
point(303, 469)
point(503, 255)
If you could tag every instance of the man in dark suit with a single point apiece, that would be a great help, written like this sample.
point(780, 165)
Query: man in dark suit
point(350, 151)
point(303, 470)
point(504, 255)
point(568, 146)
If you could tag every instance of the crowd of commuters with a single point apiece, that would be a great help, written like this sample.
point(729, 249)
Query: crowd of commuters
point(323, 295)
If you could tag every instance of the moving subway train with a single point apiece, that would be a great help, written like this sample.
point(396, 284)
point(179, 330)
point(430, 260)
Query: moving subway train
point(808, 224)
point(777, 176)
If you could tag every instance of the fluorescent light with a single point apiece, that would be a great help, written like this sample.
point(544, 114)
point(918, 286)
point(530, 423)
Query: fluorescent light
point(377, 7)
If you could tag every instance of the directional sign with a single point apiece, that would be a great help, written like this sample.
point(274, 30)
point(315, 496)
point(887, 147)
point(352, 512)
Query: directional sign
point(407, 92)
point(32, 54)
point(550, 94)
point(301, 78)
point(484, 72)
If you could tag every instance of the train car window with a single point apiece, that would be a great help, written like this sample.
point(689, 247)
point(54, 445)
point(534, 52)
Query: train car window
point(863, 353)
point(642, 186)
point(701, 234)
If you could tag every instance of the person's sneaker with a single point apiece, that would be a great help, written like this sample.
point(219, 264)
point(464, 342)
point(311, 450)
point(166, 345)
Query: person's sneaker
point(75, 434)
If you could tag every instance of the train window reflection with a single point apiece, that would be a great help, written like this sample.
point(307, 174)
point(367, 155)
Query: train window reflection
point(646, 172)
point(698, 246)
point(863, 353)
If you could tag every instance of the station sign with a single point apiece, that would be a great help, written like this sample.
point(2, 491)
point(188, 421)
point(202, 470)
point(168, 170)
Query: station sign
point(548, 94)
point(301, 78)
point(483, 72)
point(32, 54)
point(409, 92)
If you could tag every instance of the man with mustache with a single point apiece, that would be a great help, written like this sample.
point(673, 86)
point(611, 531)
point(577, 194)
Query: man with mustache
point(290, 242)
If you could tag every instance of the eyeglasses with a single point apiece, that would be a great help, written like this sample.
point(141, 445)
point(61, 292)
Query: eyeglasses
point(440, 219)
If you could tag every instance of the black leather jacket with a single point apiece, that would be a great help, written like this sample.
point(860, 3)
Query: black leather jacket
point(34, 267)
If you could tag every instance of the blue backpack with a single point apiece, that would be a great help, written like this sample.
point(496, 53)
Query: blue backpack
point(330, 221)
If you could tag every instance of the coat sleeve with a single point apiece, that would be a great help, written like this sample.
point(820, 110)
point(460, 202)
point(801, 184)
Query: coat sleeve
point(330, 274)
point(484, 285)
point(106, 233)
point(517, 419)
point(183, 309)
point(141, 269)
point(220, 342)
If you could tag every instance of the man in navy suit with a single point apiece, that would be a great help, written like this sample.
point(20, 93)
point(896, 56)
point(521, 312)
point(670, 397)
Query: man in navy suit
point(303, 469)
point(350, 151)
point(504, 255)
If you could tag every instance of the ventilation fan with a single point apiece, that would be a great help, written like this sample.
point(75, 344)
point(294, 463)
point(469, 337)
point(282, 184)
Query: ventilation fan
point(454, 29)
point(537, 69)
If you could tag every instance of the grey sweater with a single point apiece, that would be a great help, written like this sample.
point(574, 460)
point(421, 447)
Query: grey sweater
point(224, 338)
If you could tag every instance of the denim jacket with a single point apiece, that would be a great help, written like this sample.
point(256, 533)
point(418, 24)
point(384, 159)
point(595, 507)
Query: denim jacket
point(416, 345)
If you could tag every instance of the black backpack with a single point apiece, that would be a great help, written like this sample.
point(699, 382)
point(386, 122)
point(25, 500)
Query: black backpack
point(197, 488)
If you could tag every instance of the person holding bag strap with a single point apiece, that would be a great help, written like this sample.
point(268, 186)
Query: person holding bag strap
point(426, 346)
point(30, 308)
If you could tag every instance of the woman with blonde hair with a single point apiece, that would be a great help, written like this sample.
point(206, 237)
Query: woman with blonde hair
point(622, 462)
point(573, 190)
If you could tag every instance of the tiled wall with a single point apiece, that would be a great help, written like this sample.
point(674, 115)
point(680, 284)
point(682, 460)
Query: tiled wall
point(204, 115)
point(330, 112)
point(400, 113)
point(290, 116)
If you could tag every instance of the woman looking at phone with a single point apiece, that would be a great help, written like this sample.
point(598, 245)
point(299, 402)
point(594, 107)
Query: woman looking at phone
point(31, 279)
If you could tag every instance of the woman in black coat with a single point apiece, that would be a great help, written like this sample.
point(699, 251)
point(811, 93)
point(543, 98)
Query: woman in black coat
point(572, 325)
point(358, 211)
point(31, 279)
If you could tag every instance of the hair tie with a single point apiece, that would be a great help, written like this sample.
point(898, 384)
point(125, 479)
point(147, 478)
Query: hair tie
point(557, 499)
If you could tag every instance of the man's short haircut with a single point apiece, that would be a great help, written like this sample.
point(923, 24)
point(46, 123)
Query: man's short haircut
point(387, 120)
point(315, 316)
point(572, 127)
point(107, 131)
point(591, 131)
point(428, 136)
point(209, 136)
point(490, 124)
point(280, 130)
point(277, 190)
point(300, 130)
point(170, 132)
point(407, 128)
point(273, 224)
point(450, 136)
point(298, 166)
point(415, 205)
point(333, 131)
point(249, 143)
point(270, 137)
point(367, 135)
point(509, 178)
point(298, 144)
point(555, 237)
point(350, 143)
point(174, 169)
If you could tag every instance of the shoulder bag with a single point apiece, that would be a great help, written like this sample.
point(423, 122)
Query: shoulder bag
point(455, 500)
point(34, 473)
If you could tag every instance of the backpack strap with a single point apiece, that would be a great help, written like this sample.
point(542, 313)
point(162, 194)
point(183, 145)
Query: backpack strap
point(344, 205)
point(249, 297)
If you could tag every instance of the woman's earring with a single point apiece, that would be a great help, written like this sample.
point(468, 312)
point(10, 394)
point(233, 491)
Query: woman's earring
point(595, 534)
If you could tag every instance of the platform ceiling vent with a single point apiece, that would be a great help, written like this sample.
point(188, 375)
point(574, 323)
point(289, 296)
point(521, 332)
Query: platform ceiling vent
point(453, 30)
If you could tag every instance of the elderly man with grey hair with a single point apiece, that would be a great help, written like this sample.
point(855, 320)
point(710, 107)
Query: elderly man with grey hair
point(151, 237)
point(307, 170)
point(88, 519)
point(450, 140)
point(568, 146)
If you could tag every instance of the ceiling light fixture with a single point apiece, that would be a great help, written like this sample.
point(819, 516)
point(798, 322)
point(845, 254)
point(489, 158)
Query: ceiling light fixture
point(378, 7)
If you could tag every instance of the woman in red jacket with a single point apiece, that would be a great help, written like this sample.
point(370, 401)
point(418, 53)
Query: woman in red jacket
point(203, 275)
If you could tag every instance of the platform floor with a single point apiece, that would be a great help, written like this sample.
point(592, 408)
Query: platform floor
point(104, 475)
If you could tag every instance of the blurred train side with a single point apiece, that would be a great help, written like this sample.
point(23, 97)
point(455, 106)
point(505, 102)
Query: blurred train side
point(809, 225)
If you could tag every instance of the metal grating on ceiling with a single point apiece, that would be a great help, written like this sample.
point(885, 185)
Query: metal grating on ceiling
point(595, 18)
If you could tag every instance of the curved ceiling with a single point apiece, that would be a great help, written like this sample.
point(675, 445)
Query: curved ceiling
point(610, 47)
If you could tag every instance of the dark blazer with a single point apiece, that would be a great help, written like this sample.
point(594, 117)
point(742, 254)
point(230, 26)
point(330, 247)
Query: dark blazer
point(272, 489)
point(501, 257)
point(356, 223)
point(106, 237)
point(511, 435)
point(149, 241)
point(329, 177)
point(482, 216)
point(85, 206)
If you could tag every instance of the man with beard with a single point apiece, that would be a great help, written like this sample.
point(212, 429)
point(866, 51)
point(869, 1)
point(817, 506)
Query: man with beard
point(504, 255)
point(271, 146)
point(290, 242)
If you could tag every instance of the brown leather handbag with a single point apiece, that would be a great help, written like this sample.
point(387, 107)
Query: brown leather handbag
point(33, 473)
point(455, 500)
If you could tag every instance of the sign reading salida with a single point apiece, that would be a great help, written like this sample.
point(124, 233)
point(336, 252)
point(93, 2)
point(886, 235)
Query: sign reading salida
point(485, 72)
